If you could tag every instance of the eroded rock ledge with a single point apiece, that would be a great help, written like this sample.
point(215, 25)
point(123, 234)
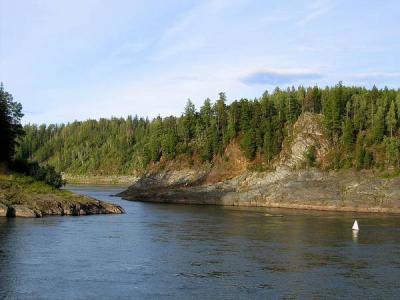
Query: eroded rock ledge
point(95, 208)
point(73, 209)
point(284, 188)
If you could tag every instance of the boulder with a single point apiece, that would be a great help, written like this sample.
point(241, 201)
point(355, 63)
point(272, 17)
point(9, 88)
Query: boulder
point(22, 211)
point(3, 210)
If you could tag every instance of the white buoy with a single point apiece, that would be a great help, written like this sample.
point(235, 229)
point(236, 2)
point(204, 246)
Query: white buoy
point(355, 226)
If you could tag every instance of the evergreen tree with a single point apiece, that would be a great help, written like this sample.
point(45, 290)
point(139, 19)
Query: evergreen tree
point(379, 125)
point(189, 120)
point(268, 145)
point(360, 151)
point(348, 131)
point(392, 151)
point(248, 143)
point(10, 124)
point(391, 120)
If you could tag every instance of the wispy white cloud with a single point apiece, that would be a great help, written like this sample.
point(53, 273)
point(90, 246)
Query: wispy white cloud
point(191, 30)
point(316, 9)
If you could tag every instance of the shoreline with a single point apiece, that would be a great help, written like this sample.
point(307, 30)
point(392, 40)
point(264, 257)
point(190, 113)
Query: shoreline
point(22, 196)
point(327, 208)
point(121, 180)
point(309, 189)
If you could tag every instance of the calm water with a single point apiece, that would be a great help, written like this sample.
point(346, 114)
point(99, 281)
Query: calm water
point(177, 251)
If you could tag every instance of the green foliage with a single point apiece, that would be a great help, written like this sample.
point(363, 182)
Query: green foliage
point(310, 156)
point(362, 124)
point(391, 119)
point(248, 143)
point(46, 173)
point(392, 151)
point(348, 134)
point(360, 151)
point(10, 124)
point(379, 125)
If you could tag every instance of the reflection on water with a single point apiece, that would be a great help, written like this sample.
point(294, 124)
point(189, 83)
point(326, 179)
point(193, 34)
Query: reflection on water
point(170, 251)
point(355, 236)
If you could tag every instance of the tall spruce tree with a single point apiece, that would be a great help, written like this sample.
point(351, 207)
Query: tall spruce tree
point(391, 119)
point(10, 124)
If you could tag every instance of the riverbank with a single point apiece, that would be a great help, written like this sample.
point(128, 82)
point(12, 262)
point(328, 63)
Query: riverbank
point(288, 184)
point(22, 196)
point(123, 180)
point(314, 189)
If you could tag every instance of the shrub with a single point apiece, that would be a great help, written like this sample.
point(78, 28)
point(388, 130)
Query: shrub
point(310, 156)
point(45, 173)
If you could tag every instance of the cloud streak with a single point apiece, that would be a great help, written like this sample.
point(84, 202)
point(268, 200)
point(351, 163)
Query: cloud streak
point(279, 77)
point(316, 9)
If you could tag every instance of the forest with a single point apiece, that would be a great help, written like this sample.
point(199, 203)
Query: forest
point(11, 132)
point(362, 125)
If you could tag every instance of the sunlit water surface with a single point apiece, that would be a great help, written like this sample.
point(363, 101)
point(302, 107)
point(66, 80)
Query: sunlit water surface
point(199, 252)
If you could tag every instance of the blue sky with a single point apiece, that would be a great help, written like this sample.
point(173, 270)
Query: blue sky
point(71, 60)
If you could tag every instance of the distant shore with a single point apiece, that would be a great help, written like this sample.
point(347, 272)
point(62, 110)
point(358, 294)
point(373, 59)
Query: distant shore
point(123, 180)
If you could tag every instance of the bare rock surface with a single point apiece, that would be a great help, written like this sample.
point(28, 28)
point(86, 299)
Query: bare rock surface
point(22, 211)
point(305, 189)
point(3, 210)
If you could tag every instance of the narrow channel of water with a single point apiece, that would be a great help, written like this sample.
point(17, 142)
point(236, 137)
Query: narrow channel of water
point(178, 251)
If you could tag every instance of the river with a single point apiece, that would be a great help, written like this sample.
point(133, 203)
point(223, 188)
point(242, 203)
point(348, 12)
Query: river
point(197, 252)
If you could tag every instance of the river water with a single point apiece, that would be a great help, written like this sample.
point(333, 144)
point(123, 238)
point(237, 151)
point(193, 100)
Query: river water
point(198, 252)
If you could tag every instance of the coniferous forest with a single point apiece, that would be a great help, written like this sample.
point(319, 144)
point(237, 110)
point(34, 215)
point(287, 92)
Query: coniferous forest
point(362, 125)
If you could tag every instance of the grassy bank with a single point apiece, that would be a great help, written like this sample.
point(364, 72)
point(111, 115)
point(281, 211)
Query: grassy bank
point(23, 196)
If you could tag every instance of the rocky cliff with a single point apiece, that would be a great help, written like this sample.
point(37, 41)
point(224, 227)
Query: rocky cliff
point(291, 184)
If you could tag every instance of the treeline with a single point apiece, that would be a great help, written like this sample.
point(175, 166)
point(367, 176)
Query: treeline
point(362, 124)
point(11, 131)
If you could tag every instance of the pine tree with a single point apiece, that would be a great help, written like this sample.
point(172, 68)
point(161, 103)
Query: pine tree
point(189, 121)
point(360, 151)
point(398, 104)
point(347, 137)
point(268, 145)
point(391, 120)
point(10, 124)
point(392, 151)
point(248, 143)
point(379, 125)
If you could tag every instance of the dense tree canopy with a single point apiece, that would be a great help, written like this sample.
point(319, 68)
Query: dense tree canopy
point(363, 125)
point(10, 124)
